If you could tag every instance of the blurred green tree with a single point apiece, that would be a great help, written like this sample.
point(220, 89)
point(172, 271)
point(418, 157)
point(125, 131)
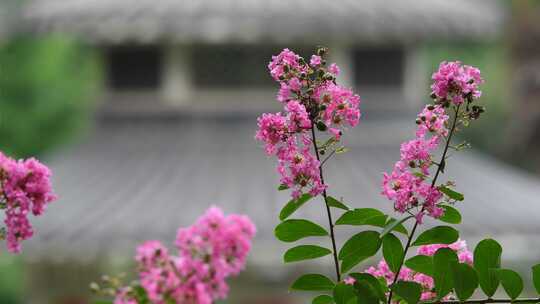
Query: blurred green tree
point(11, 279)
point(47, 85)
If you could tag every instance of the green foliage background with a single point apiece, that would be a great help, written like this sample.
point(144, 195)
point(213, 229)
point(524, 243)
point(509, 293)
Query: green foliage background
point(11, 279)
point(47, 85)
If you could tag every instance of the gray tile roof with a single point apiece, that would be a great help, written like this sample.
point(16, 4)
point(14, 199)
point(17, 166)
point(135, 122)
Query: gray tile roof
point(135, 180)
point(308, 21)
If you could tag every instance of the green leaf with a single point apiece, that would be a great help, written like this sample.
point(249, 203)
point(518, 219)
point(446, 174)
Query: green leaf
point(394, 225)
point(323, 299)
point(409, 291)
point(358, 248)
point(465, 280)
point(443, 260)
point(392, 252)
point(511, 282)
point(293, 205)
point(313, 282)
point(368, 289)
point(363, 216)
point(487, 255)
point(343, 293)
point(421, 263)
point(332, 202)
point(295, 229)
point(437, 235)
point(451, 215)
point(282, 187)
point(305, 252)
point(451, 193)
point(536, 277)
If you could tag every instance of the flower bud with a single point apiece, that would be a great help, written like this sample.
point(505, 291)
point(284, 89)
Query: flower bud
point(418, 121)
point(433, 96)
point(322, 51)
point(94, 287)
point(430, 107)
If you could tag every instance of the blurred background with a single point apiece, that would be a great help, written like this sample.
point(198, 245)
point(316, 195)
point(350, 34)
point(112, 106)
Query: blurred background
point(146, 112)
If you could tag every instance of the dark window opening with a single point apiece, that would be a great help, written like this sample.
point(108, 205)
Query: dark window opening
point(378, 67)
point(137, 67)
point(234, 65)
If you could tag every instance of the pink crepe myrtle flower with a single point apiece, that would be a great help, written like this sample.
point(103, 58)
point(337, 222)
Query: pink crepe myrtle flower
point(298, 118)
point(407, 184)
point(273, 130)
point(209, 252)
point(455, 82)
point(334, 69)
point(310, 97)
point(287, 59)
point(25, 189)
point(433, 119)
point(299, 169)
point(406, 274)
point(342, 105)
point(408, 191)
point(315, 61)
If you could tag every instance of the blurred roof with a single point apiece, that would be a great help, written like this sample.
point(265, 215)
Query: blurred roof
point(136, 180)
point(298, 21)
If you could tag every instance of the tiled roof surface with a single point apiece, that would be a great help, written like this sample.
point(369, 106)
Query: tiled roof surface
point(300, 21)
point(134, 180)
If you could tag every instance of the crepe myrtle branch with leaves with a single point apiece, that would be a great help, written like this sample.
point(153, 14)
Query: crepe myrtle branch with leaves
point(443, 269)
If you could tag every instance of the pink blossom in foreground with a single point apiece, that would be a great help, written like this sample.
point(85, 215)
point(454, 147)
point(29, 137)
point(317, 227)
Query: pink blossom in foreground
point(310, 97)
point(25, 189)
point(455, 82)
point(405, 274)
point(209, 251)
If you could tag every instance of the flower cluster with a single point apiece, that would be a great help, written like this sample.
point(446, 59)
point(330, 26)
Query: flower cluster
point(311, 99)
point(408, 184)
point(25, 189)
point(209, 252)
point(406, 274)
point(455, 83)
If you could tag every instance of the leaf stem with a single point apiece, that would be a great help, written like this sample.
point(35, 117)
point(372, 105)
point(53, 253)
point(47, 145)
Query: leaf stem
point(440, 168)
point(328, 211)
